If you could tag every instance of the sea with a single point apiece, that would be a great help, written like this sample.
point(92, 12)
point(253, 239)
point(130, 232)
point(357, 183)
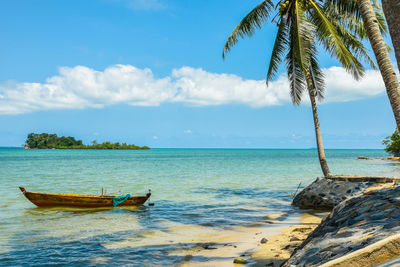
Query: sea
point(193, 190)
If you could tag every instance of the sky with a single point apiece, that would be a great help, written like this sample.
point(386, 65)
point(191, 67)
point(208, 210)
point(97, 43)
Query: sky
point(150, 72)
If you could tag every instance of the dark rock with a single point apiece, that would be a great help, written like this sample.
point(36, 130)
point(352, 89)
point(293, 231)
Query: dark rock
point(352, 225)
point(312, 259)
point(263, 240)
point(344, 234)
point(294, 238)
point(208, 246)
point(325, 193)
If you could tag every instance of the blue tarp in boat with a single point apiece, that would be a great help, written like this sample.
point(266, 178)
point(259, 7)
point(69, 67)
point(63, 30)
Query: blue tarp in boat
point(118, 200)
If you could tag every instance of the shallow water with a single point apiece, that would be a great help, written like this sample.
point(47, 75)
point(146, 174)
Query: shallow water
point(195, 191)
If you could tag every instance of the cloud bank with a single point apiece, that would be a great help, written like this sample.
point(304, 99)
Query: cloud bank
point(82, 87)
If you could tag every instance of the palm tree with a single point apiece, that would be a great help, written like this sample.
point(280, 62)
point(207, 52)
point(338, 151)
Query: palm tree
point(301, 24)
point(366, 9)
point(392, 14)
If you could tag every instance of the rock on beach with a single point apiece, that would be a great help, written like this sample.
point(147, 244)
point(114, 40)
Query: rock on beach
point(326, 193)
point(360, 231)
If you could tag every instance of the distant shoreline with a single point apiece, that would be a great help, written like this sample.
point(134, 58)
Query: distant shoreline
point(69, 148)
point(222, 148)
point(52, 141)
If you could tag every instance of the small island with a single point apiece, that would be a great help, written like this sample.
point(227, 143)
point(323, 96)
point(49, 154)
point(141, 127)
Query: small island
point(52, 141)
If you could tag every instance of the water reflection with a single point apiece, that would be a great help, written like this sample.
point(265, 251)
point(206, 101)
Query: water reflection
point(198, 194)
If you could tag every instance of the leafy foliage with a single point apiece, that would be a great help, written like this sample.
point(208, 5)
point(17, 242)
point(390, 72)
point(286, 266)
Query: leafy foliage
point(304, 25)
point(52, 141)
point(392, 143)
point(252, 21)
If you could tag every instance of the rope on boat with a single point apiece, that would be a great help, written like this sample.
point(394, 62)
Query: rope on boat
point(118, 200)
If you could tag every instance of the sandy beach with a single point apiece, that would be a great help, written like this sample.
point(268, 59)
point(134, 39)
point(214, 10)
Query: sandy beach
point(279, 247)
point(281, 234)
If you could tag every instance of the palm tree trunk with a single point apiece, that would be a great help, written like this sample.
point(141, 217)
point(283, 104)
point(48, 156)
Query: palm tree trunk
point(392, 14)
point(382, 56)
point(318, 136)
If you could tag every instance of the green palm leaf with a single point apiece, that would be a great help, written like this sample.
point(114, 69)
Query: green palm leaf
point(280, 45)
point(317, 77)
point(294, 65)
point(354, 45)
point(331, 40)
point(380, 16)
point(248, 24)
point(347, 8)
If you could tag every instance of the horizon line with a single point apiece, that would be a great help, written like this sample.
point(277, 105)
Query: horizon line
point(253, 148)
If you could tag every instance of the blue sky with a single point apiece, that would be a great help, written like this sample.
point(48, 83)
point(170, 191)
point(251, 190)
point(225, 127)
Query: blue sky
point(150, 72)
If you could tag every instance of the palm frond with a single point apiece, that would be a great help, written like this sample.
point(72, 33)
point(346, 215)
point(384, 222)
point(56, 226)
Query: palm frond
point(349, 13)
point(349, 20)
point(353, 26)
point(302, 31)
point(331, 40)
point(347, 6)
point(354, 45)
point(295, 69)
point(280, 45)
point(380, 17)
point(246, 27)
point(317, 77)
point(298, 42)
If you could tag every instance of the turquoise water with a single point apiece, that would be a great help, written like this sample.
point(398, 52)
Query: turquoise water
point(208, 188)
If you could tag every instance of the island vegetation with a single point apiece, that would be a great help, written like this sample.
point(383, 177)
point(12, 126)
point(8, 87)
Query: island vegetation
point(52, 141)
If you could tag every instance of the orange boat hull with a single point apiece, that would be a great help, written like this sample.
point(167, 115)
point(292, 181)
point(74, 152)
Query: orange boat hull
point(77, 200)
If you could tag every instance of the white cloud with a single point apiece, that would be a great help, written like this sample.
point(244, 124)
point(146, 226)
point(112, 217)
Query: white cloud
point(341, 87)
point(187, 131)
point(81, 87)
point(199, 87)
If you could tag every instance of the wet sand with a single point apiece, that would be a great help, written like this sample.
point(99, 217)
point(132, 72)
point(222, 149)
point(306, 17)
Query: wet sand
point(279, 248)
point(283, 233)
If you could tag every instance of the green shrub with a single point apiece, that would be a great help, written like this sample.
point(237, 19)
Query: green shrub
point(392, 143)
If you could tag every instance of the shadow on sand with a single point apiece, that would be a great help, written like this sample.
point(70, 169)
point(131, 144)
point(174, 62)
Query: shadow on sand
point(251, 209)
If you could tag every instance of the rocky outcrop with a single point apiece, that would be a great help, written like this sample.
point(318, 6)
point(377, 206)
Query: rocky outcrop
point(326, 193)
point(388, 158)
point(360, 231)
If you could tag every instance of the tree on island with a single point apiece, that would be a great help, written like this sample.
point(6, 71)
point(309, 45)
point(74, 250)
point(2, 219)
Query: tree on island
point(52, 141)
point(302, 25)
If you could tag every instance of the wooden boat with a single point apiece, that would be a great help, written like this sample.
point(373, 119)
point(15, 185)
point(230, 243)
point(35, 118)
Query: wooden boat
point(78, 200)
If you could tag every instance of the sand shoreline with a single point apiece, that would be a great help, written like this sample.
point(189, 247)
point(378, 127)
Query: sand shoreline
point(279, 247)
point(283, 233)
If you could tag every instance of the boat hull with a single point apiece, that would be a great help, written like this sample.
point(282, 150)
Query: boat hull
point(77, 200)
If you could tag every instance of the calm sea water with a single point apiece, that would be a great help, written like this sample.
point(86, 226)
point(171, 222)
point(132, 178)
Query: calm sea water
point(207, 188)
